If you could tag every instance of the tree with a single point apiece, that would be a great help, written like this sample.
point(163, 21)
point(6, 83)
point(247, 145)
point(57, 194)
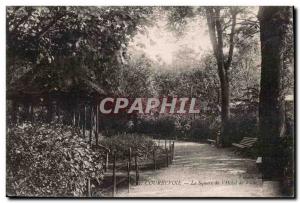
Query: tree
point(216, 36)
point(274, 22)
point(228, 27)
point(65, 49)
point(137, 76)
point(66, 46)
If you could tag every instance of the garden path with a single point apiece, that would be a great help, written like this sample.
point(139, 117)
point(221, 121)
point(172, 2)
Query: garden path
point(202, 170)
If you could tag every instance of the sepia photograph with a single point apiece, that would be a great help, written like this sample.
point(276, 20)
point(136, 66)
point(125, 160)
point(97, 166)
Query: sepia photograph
point(150, 102)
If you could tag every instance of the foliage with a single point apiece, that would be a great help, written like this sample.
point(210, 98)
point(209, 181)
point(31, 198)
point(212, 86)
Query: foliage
point(200, 130)
point(65, 47)
point(287, 145)
point(141, 145)
point(113, 124)
point(241, 126)
point(49, 160)
point(145, 125)
point(137, 76)
point(165, 126)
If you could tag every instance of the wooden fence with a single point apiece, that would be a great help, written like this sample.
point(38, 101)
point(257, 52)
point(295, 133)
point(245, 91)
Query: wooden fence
point(130, 169)
point(86, 117)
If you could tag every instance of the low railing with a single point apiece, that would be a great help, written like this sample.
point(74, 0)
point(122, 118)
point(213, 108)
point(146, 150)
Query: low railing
point(162, 156)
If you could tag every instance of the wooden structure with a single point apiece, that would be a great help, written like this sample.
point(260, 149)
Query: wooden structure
point(210, 141)
point(245, 143)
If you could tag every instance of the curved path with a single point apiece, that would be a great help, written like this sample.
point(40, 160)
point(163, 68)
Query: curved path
point(201, 170)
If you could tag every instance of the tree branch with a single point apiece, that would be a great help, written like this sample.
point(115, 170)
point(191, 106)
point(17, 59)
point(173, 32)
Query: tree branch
point(219, 35)
point(51, 24)
point(212, 30)
point(231, 41)
point(29, 12)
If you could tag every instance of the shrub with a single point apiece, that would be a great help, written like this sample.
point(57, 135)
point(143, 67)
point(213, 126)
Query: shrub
point(145, 125)
point(239, 127)
point(165, 126)
point(140, 144)
point(49, 160)
point(200, 130)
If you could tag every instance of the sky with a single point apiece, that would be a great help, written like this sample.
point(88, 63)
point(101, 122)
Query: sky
point(159, 41)
point(164, 43)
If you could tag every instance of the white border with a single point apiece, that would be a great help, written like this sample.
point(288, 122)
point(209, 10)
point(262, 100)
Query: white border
point(5, 3)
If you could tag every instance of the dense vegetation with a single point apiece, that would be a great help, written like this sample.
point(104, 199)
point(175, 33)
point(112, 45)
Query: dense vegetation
point(62, 60)
point(49, 160)
point(140, 145)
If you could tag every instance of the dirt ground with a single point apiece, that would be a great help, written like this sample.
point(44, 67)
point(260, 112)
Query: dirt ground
point(202, 170)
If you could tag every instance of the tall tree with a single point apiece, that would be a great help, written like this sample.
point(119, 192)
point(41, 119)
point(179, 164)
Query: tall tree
point(228, 28)
point(83, 44)
point(216, 33)
point(274, 23)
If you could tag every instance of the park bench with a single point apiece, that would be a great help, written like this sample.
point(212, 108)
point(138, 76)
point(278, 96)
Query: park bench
point(245, 143)
point(210, 141)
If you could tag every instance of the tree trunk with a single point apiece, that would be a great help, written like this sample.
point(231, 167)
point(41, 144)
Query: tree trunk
point(216, 37)
point(273, 27)
point(225, 109)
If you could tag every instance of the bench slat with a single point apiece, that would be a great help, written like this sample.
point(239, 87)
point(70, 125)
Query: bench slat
point(249, 145)
point(238, 145)
point(246, 142)
point(249, 139)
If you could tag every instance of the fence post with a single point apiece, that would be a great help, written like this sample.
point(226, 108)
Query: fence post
point(129, 157)
point(31, 112)
point(154, 159)
point(78, 117)
point(114, 175)
point(165, 144)
point(136, 170)
point(128, 176)
point(170, 155)
point(89, 187)
point(97, 123)
point(84, 122)
point(91, 125)
point(129, 166)
point(173, 150)
point(106, 162)
point(74, 119)
point(167, 157)
point(57, 112)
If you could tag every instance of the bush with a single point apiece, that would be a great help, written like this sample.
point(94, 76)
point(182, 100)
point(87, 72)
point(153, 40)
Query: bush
point(165, 126)
point(199, 130)
point(239, 127)
point(145, 125)
point(49, 160)
point(140, 144)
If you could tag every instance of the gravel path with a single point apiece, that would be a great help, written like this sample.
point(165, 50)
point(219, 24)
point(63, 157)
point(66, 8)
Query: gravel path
point(201, 170)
